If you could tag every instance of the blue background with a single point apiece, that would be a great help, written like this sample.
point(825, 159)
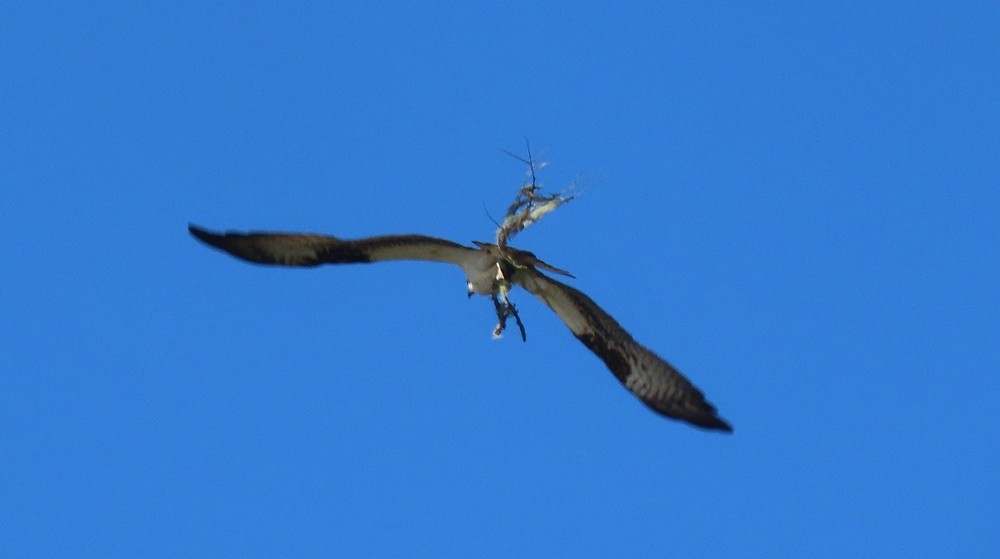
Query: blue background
point(795, 204)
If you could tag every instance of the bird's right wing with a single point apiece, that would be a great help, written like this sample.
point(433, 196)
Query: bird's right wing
point(303, 249)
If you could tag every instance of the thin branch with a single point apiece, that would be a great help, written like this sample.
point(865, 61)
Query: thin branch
point(530, 205)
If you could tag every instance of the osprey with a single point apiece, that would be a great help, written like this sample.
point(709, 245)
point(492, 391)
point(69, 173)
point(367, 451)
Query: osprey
point(493, 269)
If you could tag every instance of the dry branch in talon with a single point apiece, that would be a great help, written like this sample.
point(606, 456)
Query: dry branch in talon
point(494, 269)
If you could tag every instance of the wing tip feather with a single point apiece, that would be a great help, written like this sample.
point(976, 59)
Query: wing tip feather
point(698, 413)
point(711, 423)
point(206, 236)
point(201, 234)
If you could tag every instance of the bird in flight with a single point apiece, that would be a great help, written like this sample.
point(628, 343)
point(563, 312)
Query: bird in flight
point(493, 269)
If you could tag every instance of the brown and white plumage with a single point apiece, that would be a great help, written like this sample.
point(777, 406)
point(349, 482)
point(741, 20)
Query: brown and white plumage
point(654, 381)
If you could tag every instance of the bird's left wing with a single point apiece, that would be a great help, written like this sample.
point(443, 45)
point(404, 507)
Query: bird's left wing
point(649, 377)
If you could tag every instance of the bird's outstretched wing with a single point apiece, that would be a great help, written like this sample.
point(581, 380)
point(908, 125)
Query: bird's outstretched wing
point(654, 381)
point(302, 249)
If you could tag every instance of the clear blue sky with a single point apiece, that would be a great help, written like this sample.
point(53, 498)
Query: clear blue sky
point(797, 205)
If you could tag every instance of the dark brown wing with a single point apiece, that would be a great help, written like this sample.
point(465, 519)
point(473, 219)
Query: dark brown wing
point(654, 381)
point(303, 249)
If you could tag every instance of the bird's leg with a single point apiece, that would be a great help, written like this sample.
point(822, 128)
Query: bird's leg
point(504, 310)
point(501, 317)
